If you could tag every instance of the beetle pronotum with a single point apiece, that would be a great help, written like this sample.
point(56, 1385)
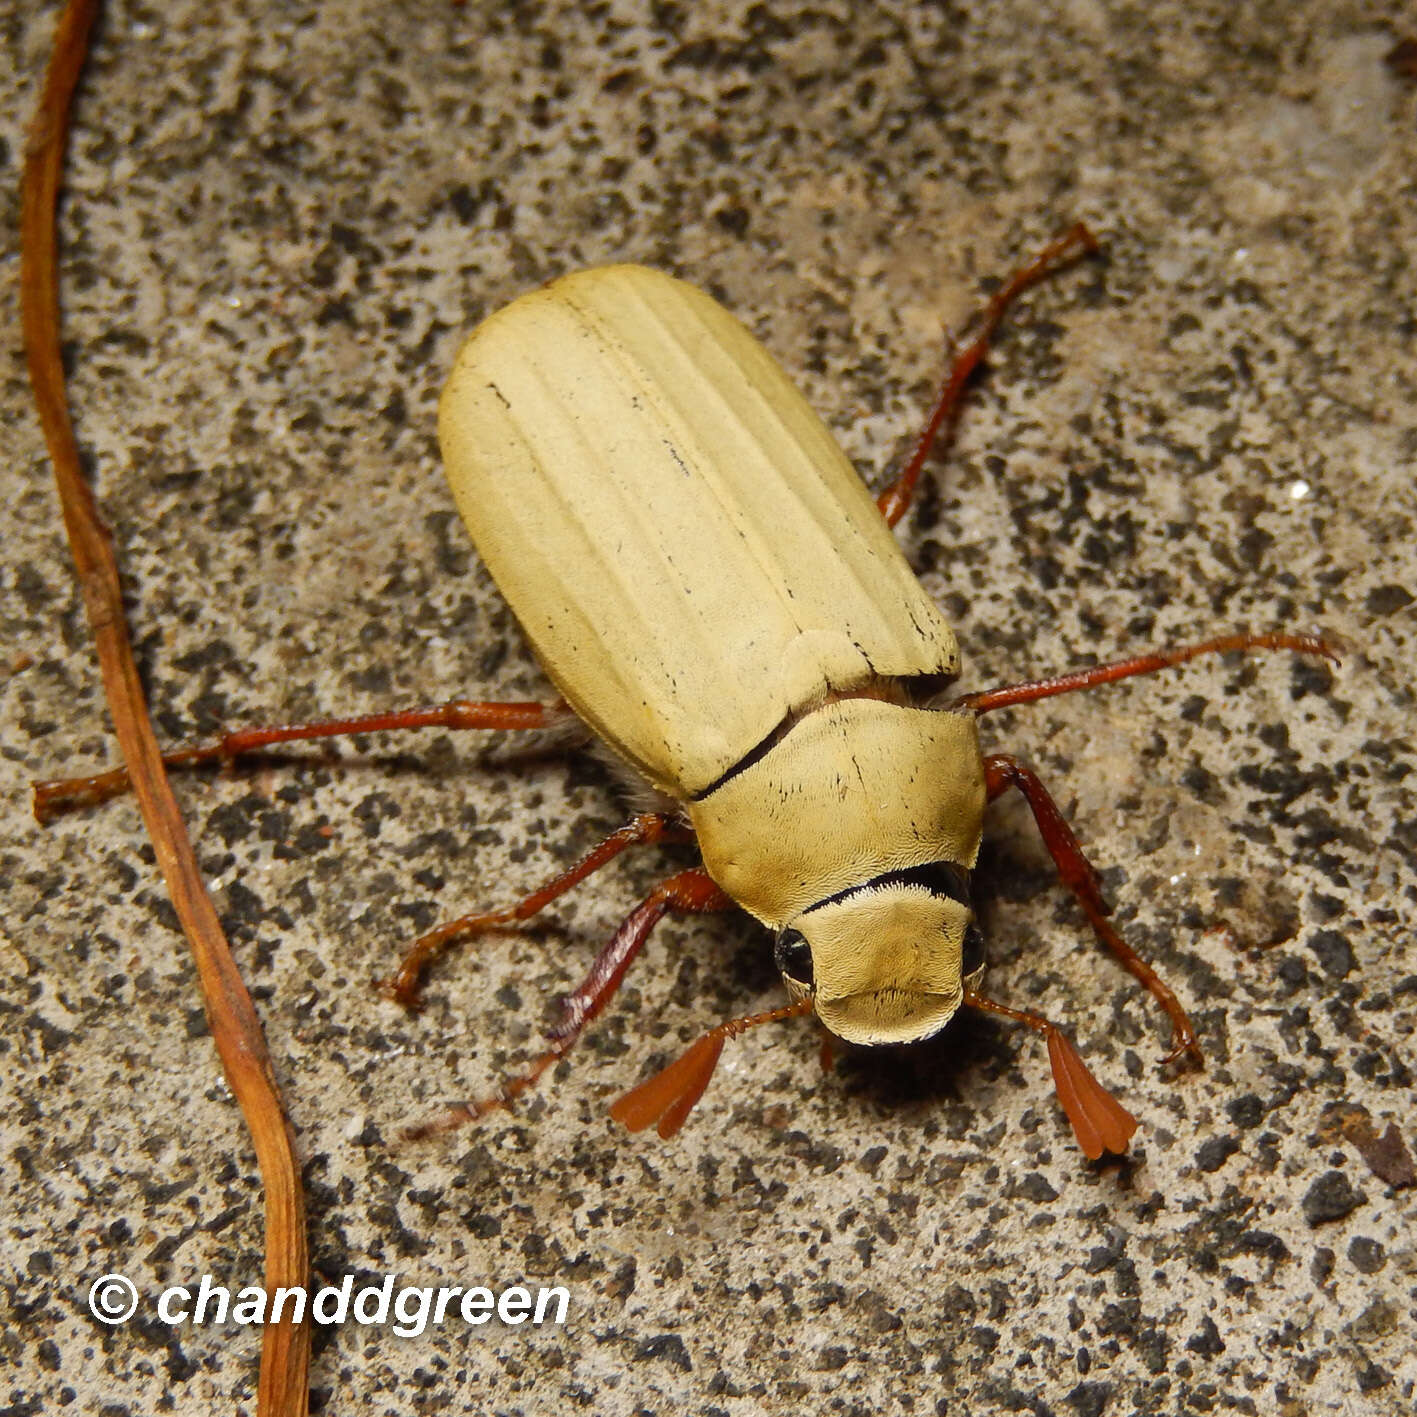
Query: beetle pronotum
point(713, 591)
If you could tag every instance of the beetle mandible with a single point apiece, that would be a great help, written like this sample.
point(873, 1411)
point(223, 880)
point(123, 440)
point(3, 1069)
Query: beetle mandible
point(712, 590)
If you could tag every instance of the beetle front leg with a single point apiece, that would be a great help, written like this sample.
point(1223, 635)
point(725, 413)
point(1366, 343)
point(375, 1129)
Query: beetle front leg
point(60, 795)
point(643, 830)
point(1002, 772)
point(690, 892)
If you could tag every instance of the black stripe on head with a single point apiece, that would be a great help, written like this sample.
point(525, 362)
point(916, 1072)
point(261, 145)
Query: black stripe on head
point(942, 878)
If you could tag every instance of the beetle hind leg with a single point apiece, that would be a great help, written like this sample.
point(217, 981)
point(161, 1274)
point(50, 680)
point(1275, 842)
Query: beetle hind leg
point(895, 501)
point(1002, 772)
point(690, 892)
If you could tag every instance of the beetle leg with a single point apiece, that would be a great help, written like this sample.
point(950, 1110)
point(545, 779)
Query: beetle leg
point(641, 831)
point(1095, 674)
point(51, 798)
point(689, 892)
point(1100, 1122)
point(1002, 772)
point(895, 500)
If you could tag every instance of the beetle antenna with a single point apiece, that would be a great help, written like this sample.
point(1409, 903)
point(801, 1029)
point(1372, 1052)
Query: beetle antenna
point(1100, 1122)
point(669, 1096)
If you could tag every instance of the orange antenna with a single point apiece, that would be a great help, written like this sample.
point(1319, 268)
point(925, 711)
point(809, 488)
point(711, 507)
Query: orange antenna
point(669, 1096)
point(1100, 1122)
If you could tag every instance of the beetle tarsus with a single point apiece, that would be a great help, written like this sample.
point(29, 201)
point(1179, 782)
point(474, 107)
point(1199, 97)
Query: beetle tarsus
point(1077, 240)
point(405, 986)
point(53, 798)
point(407, 993)
point(448, 1121)
point(463, 1114)
point(1183, 1032)
point(1002, 772)
point(1183, 1042)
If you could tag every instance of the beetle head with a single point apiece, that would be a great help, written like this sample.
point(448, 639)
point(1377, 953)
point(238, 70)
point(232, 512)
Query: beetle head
point(887, 961)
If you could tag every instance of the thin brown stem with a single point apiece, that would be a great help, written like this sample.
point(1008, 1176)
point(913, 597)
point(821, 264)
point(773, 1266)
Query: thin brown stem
point(284, 1381)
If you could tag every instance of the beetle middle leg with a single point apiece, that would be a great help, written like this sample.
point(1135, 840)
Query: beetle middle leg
point(52, 798)
point(1094, 675)
point(644, 830)
point(1002, 772)
point(894, 502)
point(690, 892)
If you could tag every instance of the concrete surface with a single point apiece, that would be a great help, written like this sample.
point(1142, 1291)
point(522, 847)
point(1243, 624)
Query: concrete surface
point(280, 218)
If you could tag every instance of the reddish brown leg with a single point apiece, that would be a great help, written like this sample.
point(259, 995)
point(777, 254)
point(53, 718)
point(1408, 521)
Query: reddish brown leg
point(1097, 674)
point(1002, 772)
point(895, 500)
point(51, 798)
point(1100, 1122)
point(690, 892)
point(642, 831)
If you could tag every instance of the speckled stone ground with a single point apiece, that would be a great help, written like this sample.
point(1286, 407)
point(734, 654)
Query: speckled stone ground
point(280, 220)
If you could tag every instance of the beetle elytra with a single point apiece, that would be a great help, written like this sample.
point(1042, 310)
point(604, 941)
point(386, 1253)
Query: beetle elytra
point(712, 589)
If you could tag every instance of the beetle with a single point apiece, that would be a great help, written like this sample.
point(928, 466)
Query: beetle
point(714, 593)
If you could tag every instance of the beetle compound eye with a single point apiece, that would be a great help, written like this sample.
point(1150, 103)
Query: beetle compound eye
point(973, 954)
point(793, 957)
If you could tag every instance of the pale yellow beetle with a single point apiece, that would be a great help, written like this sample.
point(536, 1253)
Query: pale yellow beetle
point(711, 588)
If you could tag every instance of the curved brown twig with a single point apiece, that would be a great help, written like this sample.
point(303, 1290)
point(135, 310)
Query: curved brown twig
point(234, 1026)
